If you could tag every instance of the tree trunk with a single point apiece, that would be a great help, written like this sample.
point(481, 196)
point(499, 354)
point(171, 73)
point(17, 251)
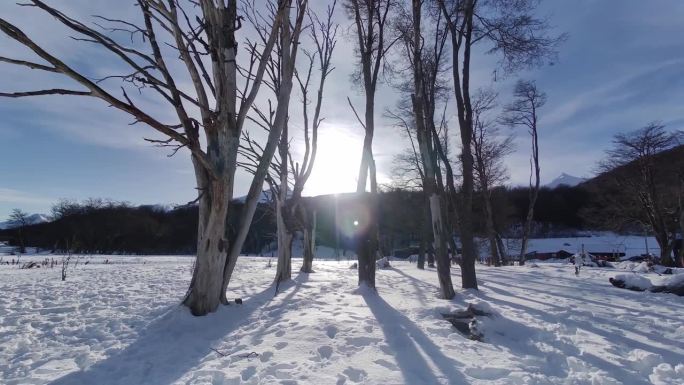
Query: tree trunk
point(491, 230)
point(279, 124)
point(285, 237)
point(22, 245)
point(502, 250)
point(527, 226)
point(424, 236)
point(665, 248)
point(204, 293)
point(534, 190)
point(309, 240)
point(367, 237)
point(427, 235)
point(680, 241)
point(443, 263)
point(366, 241)
point(469, 280)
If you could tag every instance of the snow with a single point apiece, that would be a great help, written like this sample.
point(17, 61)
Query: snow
point(676, 279)
point(631, 245)
point(634, 281)
point(120, 323)
point(565, 179)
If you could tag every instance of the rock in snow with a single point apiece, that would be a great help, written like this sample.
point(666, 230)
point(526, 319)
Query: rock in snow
point(672, 284)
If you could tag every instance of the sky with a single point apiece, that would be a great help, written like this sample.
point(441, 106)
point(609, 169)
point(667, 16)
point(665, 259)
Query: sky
point(621, 67)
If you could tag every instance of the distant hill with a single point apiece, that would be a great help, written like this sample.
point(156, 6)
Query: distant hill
point(33, 219)
point(669, 162)
point(264, 198)
point(566, 180)
point(613, 207)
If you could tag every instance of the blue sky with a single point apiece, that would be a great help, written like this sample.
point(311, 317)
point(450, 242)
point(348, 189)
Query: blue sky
point(621, 67)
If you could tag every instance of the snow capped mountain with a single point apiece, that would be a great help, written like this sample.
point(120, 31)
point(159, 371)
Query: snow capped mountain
point(565, 179)
point(264, 198)
point(32, 219)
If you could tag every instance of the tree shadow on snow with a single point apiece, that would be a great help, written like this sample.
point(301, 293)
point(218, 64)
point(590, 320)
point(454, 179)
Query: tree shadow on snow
point(554, 361)
point(169, 346)
point(422, 289)
point(410, 346)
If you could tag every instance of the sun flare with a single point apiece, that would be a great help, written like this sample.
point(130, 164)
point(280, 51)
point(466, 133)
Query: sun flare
point(337, 162)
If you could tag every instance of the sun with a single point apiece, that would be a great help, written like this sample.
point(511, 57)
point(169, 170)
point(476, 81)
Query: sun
point(337, 161)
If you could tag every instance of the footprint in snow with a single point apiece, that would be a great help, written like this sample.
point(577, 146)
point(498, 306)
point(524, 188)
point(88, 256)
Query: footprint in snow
point(280, 345)
point(355, 375)
point(386, 364)
point(325, 351)
point(248, 372)
point(331, 331)
point(266, 356)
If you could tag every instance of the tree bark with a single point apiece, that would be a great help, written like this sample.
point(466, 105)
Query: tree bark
point(680, 254)
point(289, 48)
point(285, 237)
point(461, 36)
point(425, 230)
point(502, 250)
point(204, 293)
point(491, 229)
point(366, 241)
point(534, 190)
point(431, 189)
point(309, 230)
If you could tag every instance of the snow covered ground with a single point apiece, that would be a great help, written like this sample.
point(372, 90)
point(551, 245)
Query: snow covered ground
point(120, 323)
point(631, 245)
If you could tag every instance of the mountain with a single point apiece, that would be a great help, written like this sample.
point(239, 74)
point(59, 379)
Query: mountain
point(266, 197)
point(565, 179)
point(32, 219)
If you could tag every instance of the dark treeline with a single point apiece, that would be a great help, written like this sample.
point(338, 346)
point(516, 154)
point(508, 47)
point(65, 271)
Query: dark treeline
point(601, 203)
point(105, 227)
point(97, 226)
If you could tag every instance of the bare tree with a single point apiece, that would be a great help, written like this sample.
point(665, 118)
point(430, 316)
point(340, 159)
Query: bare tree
point(324, 36)
point(490, 147)
point(19, 219)
point(65, 264)
point(425, 67)
point(651, 192)
point(678, 246)
point(287, 178)
point(370, 18)
point(524, 111)
point(282, 70)
point(407, 174)
point(522, 41)
point(169, 32)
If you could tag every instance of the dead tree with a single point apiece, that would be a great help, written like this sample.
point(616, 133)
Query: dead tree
point(171, 32)
point(280, 74)
point(19, 219)
point(678, 246)
point(651, 189)
point(425, 66)
point(407, 174)
point(524, 111)
point(490, 147)
point(287, 178)
point(324, 35)
point(370, 18)
point(521, 39)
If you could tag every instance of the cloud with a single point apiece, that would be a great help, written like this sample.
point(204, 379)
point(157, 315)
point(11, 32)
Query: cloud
point(612, 77)
point(8, 195)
